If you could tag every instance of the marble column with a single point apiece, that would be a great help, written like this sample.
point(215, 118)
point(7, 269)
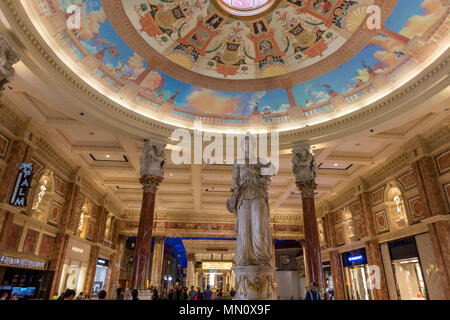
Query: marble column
point(190, 272)
point(153, 161)
point(157, 262)
point(19, 152)
point(305, 168)
point(8, 57)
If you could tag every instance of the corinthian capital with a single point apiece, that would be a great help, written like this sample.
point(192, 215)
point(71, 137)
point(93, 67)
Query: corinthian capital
point(153, 159)
point(304, 168)
point(150, 183)
point(8, 57)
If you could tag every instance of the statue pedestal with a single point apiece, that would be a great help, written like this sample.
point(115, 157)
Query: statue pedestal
point(254, 282)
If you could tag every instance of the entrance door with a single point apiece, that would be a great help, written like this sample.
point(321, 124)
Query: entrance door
point(356, 283)
point(44, 288)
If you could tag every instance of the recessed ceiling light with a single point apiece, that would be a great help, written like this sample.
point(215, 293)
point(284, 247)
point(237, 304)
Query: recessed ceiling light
point(108, 156)
point(336, 164)
point(171, 174)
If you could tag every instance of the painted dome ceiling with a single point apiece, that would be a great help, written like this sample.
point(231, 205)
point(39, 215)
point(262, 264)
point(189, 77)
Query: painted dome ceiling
point(282, 63)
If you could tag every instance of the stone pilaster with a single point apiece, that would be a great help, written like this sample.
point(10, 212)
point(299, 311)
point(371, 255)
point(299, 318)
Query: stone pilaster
point(429, 188)
point(90, 272)
point(116, 262)
point(374, 257)
point(372, 247)
point(190, 272)
point(20, 152)
point(56, 262)
point(68, 212)
point(157, 262)
point(338, 277)
point(440, 239)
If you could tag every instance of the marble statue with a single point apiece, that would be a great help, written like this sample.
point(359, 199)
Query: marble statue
point(250, 205)
point(303, 165)
point(153, 159)
point(107, 227)
point(8, 57)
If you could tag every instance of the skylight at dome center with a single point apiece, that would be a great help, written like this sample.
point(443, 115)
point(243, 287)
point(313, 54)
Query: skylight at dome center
point(245, 8)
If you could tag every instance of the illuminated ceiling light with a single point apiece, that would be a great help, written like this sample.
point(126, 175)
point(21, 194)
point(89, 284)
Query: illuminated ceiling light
point(336, 164)
point(108, 156)
point(171, 174)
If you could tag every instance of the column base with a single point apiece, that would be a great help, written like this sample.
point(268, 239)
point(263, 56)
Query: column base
point(254, 283)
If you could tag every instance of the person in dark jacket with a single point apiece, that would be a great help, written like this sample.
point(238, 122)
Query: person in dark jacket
point(134, 294)
point(313, 293)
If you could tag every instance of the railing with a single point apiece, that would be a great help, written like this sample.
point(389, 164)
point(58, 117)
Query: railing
point(274, 119)
point(320, 109)
point(358, 93)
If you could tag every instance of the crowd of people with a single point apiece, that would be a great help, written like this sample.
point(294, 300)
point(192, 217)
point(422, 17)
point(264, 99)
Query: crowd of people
point(178, 292)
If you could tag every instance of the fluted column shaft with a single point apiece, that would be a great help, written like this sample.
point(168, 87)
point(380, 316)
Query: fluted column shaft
point(158, 257)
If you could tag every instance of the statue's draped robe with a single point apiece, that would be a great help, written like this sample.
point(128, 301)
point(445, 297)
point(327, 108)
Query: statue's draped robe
point(249, 203)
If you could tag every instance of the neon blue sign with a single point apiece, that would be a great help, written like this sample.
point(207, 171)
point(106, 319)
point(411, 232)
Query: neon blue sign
point(355, 258)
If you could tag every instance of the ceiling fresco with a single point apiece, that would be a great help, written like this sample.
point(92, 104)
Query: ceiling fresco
point(198, 37)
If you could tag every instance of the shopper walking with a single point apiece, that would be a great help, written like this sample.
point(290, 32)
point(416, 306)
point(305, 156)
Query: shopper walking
point(192, 293)
point(208, 293)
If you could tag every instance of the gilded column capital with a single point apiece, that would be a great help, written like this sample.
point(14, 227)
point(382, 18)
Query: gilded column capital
point(159, 239)
point(150, 183)
point(304, 168)
point(190, 256)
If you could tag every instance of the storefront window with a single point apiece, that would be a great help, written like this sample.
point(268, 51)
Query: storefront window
point(100, 276)
point(407, 271)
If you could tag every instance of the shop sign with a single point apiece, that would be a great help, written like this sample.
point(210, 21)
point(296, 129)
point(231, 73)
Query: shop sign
point(78, 250)
point(216, 265)
point(24, 263)
point(354, 258)
point(23, 184)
